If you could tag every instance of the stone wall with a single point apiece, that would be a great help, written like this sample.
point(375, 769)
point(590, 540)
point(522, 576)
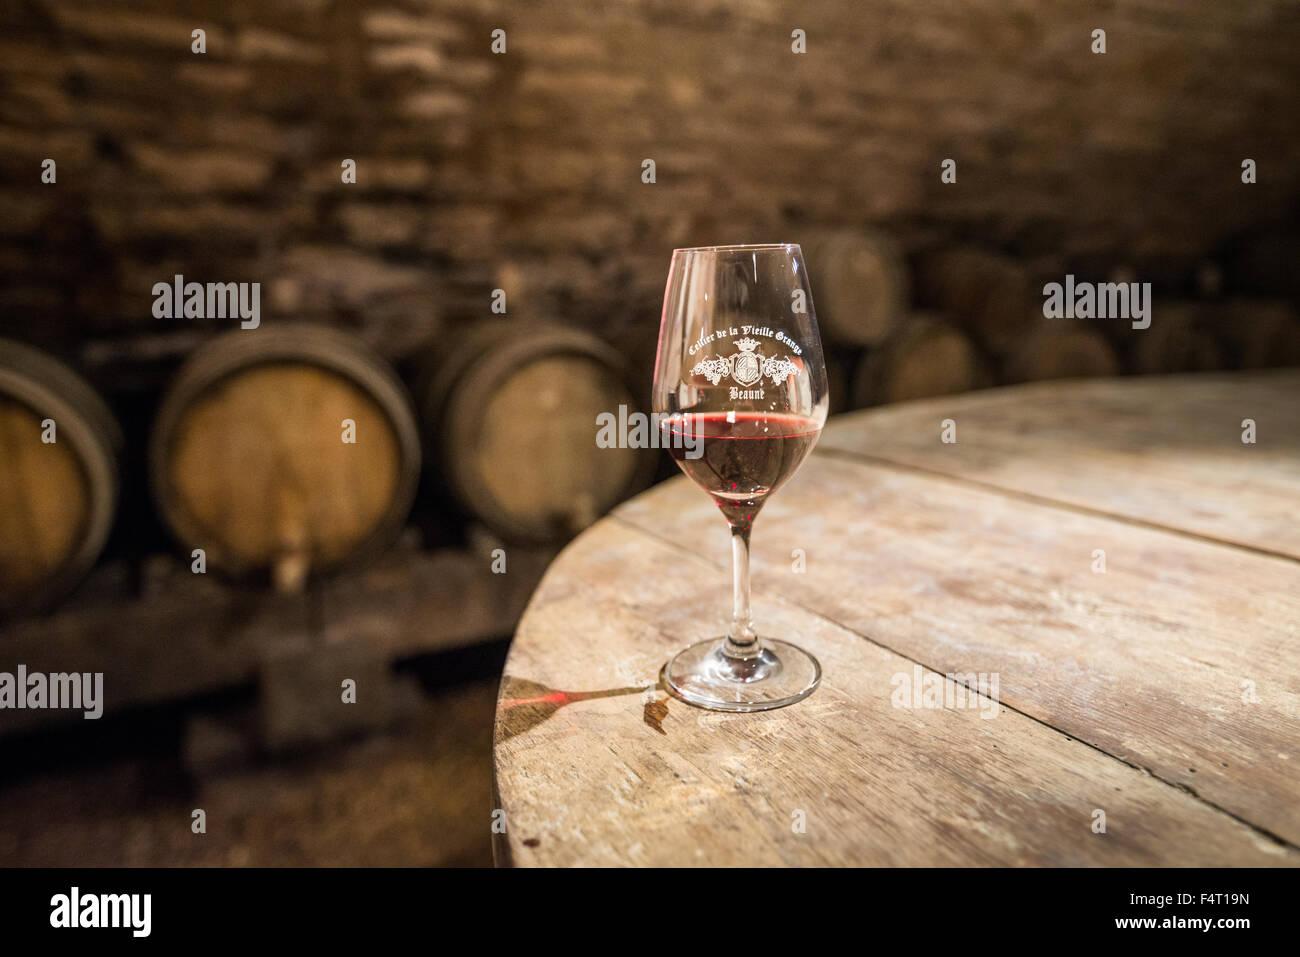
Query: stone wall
point(523, 170)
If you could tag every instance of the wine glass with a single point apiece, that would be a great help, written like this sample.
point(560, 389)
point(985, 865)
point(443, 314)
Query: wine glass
point(740, 391)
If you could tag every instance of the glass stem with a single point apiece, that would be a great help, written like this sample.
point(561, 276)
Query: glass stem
point(742, 641)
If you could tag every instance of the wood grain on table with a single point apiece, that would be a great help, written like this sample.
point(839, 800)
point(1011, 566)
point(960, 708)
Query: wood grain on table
point(1164, 691)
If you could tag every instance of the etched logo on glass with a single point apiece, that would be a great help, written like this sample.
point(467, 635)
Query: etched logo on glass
point(747, 366)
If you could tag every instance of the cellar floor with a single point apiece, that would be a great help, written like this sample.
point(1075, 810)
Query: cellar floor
point(418, 795)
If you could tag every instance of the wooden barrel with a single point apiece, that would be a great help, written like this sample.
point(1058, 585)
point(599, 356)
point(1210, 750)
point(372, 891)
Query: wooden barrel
point(1178, 340)
point(859, 285)
point(927, 356)
point(989, 296)
point(1257, 333)
point(510, 413)
point(285, 450)
point(1055, 351)
point(57, 499)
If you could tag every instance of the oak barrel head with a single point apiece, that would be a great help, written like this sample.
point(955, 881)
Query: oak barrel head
point(511, 411)
point(859, 283)
point(1053, 351)
point(59, 447)
point(928, 356)
point(989, 296)
point(1179, 339)
point(285, 452)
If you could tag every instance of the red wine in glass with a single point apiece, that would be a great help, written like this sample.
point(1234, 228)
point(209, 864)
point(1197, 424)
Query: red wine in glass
point(739, 457)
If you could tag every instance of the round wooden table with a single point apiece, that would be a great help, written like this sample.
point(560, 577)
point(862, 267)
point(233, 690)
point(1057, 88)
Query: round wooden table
point(1106, 565)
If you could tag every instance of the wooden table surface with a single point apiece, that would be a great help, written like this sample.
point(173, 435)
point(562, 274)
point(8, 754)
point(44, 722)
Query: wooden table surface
point(1160, 696)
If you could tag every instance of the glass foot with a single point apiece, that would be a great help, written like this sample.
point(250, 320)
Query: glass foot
point(780, 674)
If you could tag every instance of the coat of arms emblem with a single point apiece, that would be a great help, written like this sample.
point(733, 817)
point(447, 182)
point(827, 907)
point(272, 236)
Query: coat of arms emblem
point(747, 366)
